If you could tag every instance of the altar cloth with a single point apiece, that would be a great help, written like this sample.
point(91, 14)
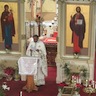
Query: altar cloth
point(50, 40)
point(28, 65)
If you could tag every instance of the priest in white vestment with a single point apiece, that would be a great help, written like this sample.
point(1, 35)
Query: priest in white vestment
point(37, 48)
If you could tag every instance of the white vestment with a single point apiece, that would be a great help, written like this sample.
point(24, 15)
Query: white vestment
point(42, 69)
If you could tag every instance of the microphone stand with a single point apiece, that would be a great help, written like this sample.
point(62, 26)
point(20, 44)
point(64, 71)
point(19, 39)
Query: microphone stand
point(30, 52)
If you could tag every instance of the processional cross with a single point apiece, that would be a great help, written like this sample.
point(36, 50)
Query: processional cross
point(39, 21)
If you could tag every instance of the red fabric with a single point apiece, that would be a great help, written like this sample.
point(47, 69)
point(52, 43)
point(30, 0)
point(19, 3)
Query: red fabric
point(50, 40)
point(50, 89)
point(82, 93)
point(76, 43)
point(95, 68)
point(55, 34)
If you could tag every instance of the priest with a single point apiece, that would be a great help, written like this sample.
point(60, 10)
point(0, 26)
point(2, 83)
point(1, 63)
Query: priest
point(37, 48)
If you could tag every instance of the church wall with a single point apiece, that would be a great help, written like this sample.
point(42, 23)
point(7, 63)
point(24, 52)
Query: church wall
point(9, 60)
point(10, 57)
point(47, 16)
point(49, 6)
point(48, 12)
point(80, 60)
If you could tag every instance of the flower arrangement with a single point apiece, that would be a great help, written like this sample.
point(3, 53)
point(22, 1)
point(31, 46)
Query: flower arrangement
point(1, 70)
point(77, 87)
point(39, 19)
point(61, 85)
point(84, 72)
point(2, 91)
point(9, 71)
point(67, 69)
point(16, 74)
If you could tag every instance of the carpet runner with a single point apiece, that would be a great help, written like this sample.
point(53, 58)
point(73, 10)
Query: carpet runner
point(50, 89)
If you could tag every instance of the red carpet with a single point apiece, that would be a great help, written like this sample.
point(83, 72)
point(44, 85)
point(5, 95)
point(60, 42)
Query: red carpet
point(95, 68)
point(50, 89)
point(85, 94)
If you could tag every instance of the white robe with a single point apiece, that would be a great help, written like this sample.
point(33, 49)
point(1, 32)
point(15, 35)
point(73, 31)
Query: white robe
point(42, 69)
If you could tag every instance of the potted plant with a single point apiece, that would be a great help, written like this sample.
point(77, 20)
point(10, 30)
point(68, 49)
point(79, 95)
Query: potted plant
point(84, 73)
point(67, 72)
point(2, 92)
point(9, 72)
point(1, 70)
point(16, 75)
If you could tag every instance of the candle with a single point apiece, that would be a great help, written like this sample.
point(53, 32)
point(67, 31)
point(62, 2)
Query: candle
point(93, 84)
point(72, 77)
point(89, 85)
point(86, 83)
point(20, 93)
point(79, 80)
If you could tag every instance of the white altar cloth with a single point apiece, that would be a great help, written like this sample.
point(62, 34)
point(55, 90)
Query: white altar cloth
point(28, 65)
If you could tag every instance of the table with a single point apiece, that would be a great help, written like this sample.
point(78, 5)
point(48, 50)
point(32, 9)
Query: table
point(28, 66)
point(51, 48)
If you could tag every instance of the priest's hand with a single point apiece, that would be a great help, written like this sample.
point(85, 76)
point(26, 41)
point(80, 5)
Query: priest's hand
point(37, 50)
point(31, 50)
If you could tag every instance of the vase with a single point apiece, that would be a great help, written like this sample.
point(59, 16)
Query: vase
point(16, 77)
point(9, 78)
point(1, 76)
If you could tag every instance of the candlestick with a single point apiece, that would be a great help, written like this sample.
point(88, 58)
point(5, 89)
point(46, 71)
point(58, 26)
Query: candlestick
point(30, 52)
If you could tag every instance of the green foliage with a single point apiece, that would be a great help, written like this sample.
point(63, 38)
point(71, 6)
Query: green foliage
point(67, 70)
point(77, 89)
point(2, 92)
point(84, 72)
point(22, 1)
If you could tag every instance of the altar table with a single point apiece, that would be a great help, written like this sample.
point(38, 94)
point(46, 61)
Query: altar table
point(28, 66)
point(50, 40)
point(51, 48)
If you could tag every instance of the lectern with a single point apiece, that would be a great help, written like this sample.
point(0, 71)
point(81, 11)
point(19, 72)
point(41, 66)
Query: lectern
point(28, 66)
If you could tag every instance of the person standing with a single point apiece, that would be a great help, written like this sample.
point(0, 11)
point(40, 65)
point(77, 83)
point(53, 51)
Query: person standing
point(78, 27)
point(7, 26)
point(37, 48)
